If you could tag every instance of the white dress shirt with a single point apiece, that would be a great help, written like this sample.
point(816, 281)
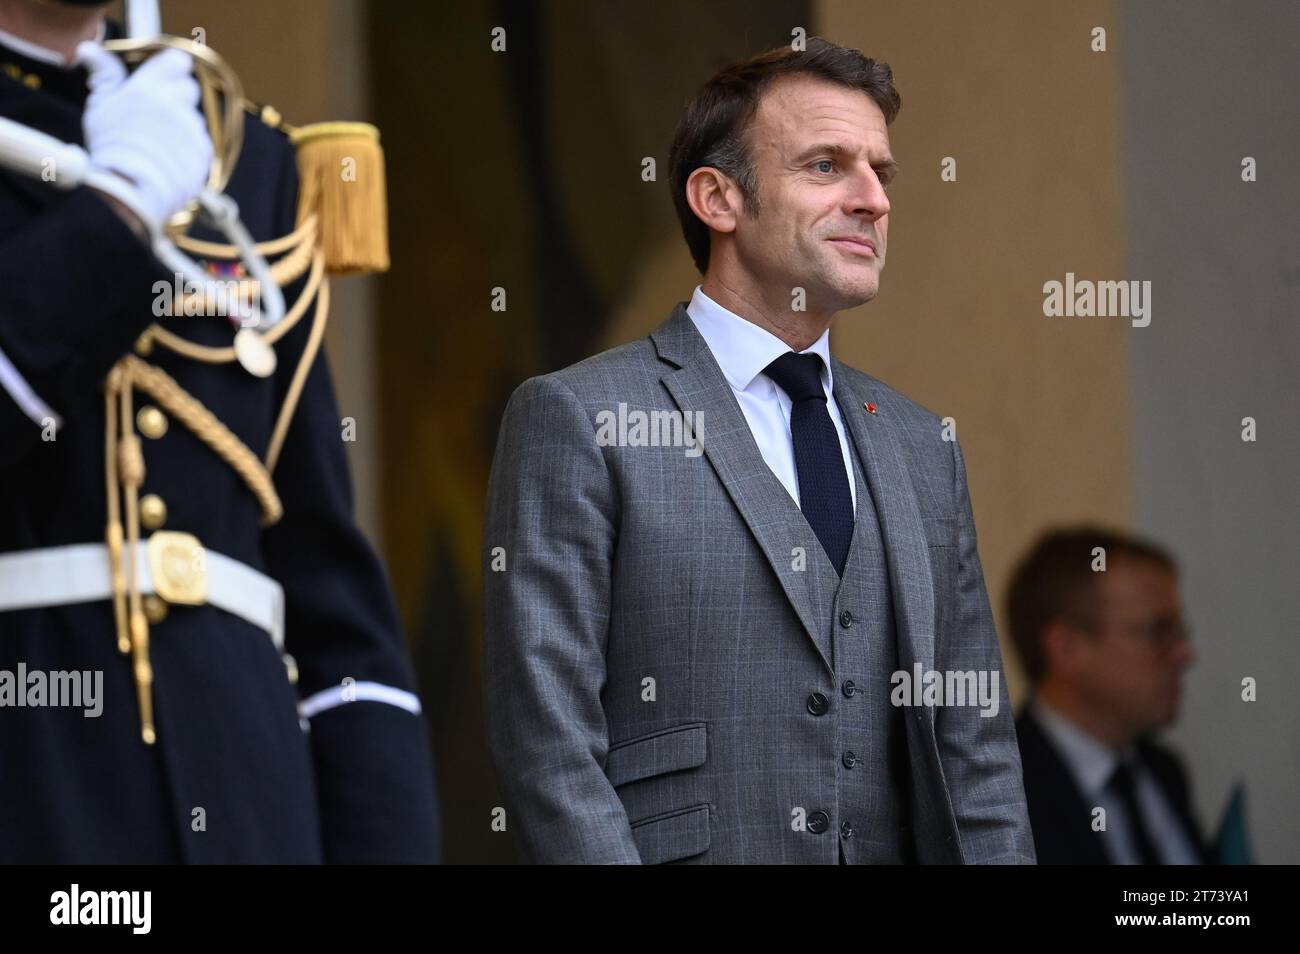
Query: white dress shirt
point(1091, 762)
point(743, 349)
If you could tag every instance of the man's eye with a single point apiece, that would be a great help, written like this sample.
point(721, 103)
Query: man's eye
point(824, 162)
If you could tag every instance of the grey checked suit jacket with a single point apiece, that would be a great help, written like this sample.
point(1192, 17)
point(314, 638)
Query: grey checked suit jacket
point(649, 645)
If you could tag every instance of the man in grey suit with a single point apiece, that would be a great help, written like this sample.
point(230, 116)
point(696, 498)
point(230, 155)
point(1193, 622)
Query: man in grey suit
point(719, 563)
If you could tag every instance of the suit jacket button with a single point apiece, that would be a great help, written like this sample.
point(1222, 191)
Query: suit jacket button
point(818, 704)
point(818, 822)
point(849, 760)
point(846, 619)
point(846, 830)
point(849, 688)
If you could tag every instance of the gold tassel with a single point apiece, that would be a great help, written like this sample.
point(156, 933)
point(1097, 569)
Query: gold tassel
point(341, 172)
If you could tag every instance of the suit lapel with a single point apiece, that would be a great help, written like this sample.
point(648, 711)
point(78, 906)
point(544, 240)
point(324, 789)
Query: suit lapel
point(698, 386)
point(906, 550)
point(1060, 816)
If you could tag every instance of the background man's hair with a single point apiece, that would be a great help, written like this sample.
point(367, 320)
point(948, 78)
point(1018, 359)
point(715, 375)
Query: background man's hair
point(1055, 579)
point(714, 129)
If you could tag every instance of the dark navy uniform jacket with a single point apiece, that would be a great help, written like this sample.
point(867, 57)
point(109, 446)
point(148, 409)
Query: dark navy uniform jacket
point(233, 776)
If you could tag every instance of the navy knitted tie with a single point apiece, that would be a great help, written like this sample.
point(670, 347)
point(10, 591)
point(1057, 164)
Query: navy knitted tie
point(824, 495)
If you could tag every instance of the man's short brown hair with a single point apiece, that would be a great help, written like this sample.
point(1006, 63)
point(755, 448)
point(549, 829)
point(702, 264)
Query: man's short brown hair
point(714, 129)
point(1056, 580)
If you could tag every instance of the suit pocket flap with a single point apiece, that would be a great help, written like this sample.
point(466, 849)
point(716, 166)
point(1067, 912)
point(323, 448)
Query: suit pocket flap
point(662, 751)
point(675, 835)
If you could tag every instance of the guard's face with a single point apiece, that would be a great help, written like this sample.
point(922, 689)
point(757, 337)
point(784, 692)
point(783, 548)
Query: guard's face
point(1134, 666)
point(822, 156)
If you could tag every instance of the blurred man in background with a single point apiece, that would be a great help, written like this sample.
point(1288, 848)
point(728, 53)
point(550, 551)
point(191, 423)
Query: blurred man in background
point(1095, 616)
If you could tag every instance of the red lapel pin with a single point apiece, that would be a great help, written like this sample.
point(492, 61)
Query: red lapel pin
point(871, 408)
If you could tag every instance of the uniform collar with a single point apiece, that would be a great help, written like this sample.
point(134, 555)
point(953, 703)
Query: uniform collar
point(40, 54)
point(743, 349)
point(35, 68)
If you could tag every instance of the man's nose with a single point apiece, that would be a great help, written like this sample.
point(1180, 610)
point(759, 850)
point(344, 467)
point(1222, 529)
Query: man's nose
point(868, 197)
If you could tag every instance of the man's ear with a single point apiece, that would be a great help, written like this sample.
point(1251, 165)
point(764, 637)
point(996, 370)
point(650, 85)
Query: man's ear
point(714, 198)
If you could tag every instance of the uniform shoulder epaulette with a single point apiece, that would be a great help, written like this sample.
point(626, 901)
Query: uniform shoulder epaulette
point(342, 182)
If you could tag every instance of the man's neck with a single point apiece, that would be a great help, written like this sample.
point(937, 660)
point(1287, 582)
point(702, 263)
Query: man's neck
point(1077, 711)
point(798, 329)
point(54, 27)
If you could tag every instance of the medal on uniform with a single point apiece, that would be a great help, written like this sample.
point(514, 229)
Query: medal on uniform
point(254, 354)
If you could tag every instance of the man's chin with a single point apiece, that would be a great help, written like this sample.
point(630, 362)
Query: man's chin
point(850, 291)
point(859, 295)
point(1167, 716)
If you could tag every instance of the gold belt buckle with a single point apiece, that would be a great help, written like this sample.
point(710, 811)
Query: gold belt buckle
point(178, 565)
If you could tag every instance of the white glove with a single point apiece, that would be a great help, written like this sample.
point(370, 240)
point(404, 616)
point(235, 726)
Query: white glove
point(146, 127)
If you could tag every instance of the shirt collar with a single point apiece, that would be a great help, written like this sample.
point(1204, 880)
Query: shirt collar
point(743, 349)
point(1091, 761)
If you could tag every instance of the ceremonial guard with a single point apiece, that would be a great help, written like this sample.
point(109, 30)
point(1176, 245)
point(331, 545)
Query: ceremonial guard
point(176, 518)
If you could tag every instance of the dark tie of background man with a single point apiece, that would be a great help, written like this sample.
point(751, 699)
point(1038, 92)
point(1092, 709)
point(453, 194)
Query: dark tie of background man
point(1123, 784)
point(824, 495)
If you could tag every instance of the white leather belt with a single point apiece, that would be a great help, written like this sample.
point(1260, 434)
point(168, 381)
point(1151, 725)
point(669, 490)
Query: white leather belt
point(81, 573)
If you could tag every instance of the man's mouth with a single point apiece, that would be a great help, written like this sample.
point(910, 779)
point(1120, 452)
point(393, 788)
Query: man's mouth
point(856, 244)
